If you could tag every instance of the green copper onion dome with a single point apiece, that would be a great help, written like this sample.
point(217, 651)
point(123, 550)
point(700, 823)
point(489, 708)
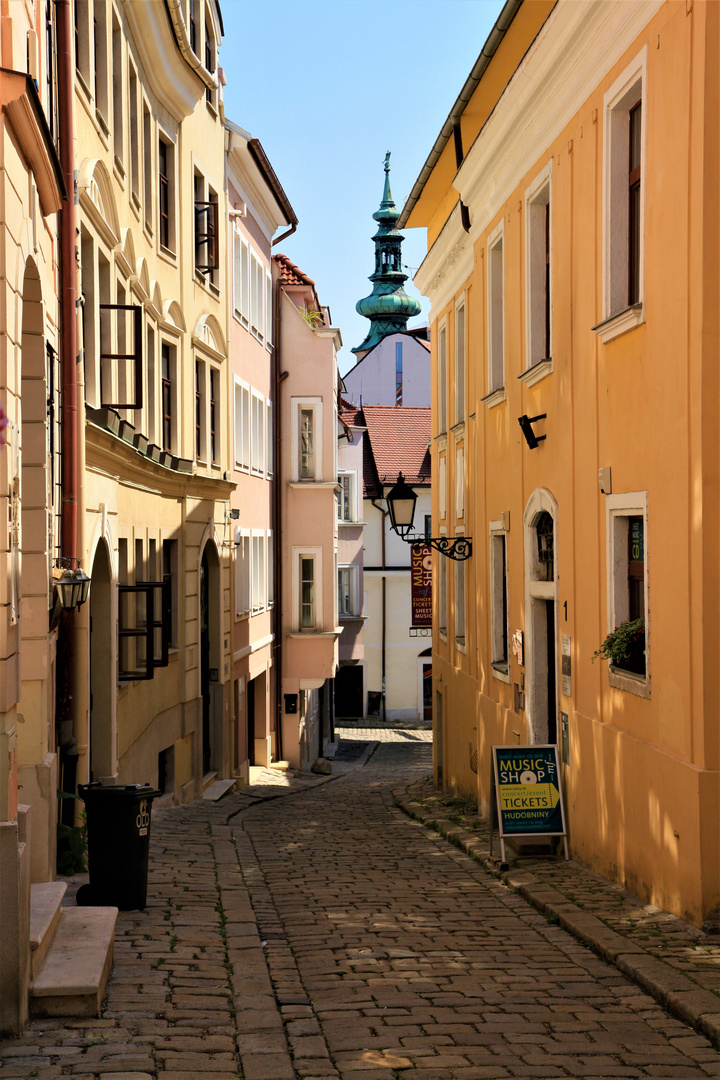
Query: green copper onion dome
point(388, 306)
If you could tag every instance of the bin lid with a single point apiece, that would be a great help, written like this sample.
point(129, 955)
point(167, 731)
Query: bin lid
point(141, 791)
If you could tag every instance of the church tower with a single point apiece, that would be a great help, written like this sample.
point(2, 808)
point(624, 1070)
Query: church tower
point(388, 306)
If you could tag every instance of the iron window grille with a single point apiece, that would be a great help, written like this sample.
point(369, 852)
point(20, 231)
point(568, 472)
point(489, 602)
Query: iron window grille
point(545, 540)
point(113, 332)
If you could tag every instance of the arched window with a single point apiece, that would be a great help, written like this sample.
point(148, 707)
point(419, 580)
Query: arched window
point(544, 530)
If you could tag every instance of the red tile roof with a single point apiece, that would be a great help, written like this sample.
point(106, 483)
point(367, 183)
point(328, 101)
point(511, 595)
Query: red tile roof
point(290, 274)
point(399, 439)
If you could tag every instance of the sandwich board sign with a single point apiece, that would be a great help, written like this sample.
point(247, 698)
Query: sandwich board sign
point(526, 795)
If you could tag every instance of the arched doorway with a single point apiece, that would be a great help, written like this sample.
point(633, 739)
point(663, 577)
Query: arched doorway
point(541, 625)
point(210, 686)
point(102, 756)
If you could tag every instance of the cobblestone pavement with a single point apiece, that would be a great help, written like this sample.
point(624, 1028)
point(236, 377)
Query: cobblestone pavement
point(317, 931)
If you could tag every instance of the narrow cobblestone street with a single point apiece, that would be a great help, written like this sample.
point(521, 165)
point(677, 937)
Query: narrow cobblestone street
point(322, 933)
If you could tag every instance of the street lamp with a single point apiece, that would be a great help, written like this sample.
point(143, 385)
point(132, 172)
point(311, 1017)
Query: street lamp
point(401, 508)
point(72, 585)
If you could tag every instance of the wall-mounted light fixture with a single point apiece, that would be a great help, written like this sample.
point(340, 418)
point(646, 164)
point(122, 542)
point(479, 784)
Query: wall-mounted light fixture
point(401, 507)
point(526, 423)
point(72, 585)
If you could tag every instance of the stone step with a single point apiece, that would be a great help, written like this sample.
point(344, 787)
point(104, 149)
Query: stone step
point(208, 779)
point(218, 788)
point(74, 974)
point(45, 901)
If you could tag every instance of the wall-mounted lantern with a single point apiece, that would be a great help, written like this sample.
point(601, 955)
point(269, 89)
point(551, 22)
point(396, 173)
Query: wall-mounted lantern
point(401, 507)
point(72, 585)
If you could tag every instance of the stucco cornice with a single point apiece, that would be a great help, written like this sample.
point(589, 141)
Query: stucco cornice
point(447, 265)
point(576, 48)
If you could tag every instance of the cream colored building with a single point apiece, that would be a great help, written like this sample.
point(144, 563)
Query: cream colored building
point(154, 643)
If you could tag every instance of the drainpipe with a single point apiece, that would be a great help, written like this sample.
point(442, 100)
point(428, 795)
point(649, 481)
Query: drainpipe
point(276, 379)
point(384, 605)
point(68, 357)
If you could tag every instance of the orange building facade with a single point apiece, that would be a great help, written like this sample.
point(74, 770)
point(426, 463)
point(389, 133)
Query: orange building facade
point(573, 268)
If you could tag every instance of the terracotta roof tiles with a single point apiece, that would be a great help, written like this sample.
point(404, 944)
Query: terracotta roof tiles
point(399, 438)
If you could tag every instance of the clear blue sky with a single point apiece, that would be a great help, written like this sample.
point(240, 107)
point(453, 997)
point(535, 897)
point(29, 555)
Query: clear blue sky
point(328, 86)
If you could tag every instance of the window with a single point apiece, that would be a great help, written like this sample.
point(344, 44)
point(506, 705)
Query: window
point(442, 379)
point(170, 570)
point(346, 591)
point(199, 410)
point(241, 255)
point(100, 59)
point(168, 359)
point(538, 273)
point(442, 485)
point(628, 584)
point(121, 367)
point(242, 424)
point(270, 570)
point(258, 432)
point(398, 373)
point(460, 604)
point(192, 13)
point(347, 497)
point(210, 95)
point(50, 71)
point(268, 310)
point(496, 318)
point(152, 390)
point(307, 592)
point(257, 297)
point(623, 202)
point(82, 42)
point(307, 439)
point(442, 565)
point(259, 582)
point(117, 92)
point(499, 600)
point(242, 572)
point(460, 482)
point(214, 416)
point(207, 237)
point(460, 362)
point(544, 563)
point(144, 628)
point(134, 137)
point(166, 194)
point(270, 434)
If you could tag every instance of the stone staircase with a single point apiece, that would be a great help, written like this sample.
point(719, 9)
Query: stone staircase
point(71, 953)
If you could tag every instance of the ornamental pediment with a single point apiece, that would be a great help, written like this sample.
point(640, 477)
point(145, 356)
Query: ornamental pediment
point(97, 199)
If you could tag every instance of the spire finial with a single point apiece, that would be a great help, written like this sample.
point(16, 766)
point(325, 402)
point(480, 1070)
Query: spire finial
point(387, 162)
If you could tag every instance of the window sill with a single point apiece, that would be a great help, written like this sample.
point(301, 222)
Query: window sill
point(620, 323)
point(102, 122)
point(119, 170)
point(460, 645)
point(443, 634)
point(537, 372)
point(625, 680)
point(168, 255)
point(501, 672)
point(352, 618)
point(495, 397)
point(458, 430)
point(313, 484)
point(349, 524)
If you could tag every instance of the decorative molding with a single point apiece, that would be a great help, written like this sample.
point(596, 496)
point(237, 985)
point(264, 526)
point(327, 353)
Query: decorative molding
point(98, 201)
point(619, 324)
point(495, 397)
point(534, 374)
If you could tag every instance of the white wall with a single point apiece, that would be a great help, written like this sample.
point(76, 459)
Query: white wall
point(373, 379)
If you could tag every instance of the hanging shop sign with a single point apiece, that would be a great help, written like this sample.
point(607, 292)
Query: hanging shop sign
point(421, 584)
point(526, 794)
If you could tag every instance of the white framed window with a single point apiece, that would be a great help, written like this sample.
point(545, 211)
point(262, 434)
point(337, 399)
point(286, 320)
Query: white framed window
point(442, 485)
point(118, 94)
point(257, 297)
point(347, 496)
point(460, 361)
point(496, 316)
point(268, 310)
point(460, 603)
point(627, 562)
point(270, 438)
point(347, 591)
point(499, 618)
point(134, 135)
point(460, 481)
point(307, 438)
point(242, 572)
point(442, 565)
point(242, 424)
point(148, 171)
point(270, 569)
point(166, 194)
point(241, 277)
point(259, 579)
point(442, 377)
point(307, 589)
point(624, 136)
point(258, 432)
point(538, 277)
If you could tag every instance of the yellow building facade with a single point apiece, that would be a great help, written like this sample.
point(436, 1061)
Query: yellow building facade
point(571, 204)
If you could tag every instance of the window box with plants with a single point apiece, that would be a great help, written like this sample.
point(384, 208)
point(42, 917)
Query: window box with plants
point(624, 647)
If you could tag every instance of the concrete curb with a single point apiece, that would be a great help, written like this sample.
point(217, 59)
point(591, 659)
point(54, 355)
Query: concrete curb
point(676, 992)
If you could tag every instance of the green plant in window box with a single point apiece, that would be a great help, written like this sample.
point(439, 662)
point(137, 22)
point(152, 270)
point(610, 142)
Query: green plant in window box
point(625, 646)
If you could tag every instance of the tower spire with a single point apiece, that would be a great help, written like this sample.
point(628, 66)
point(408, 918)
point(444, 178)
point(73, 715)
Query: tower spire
point(388, 306)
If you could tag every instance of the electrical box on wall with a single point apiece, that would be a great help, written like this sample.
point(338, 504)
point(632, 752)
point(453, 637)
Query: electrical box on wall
point(605, 480)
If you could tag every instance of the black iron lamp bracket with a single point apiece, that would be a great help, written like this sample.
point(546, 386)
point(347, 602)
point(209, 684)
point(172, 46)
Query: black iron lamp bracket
point(454, 547)
point(526, 423)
